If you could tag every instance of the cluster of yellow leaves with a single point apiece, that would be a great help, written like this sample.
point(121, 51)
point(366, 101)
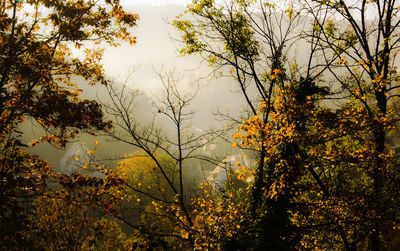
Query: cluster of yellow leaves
point(281, 126)
point(245, 174)
point(216, 220)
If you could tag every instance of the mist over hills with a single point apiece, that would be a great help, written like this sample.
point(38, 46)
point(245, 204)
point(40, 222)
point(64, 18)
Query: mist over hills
point(157, 50)
point(154, 51)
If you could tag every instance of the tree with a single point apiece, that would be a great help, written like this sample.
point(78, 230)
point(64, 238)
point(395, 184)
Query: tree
point(251, 41)
point(325, 178)
point(36, 41)
point(366, 50)
point(171, 200)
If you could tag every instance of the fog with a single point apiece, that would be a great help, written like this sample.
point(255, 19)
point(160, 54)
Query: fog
point(157, 50)
point(136, 66)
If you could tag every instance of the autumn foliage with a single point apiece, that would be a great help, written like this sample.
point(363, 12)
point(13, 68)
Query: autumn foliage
point(326, 177)
point(325, 170)
point(38, 81)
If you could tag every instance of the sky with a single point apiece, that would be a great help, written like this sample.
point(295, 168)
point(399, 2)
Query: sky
point(155, 2)
point(154, 49)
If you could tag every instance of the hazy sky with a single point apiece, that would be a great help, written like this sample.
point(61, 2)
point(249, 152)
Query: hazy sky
point(154, 49)
point(155, 2)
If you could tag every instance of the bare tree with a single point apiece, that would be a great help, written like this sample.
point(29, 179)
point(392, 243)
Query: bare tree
point(175, 138)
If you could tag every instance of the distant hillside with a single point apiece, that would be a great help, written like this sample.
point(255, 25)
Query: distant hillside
point(154, 50)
